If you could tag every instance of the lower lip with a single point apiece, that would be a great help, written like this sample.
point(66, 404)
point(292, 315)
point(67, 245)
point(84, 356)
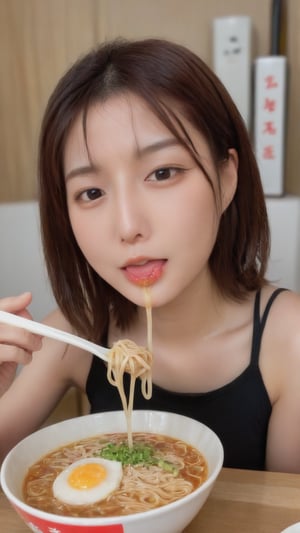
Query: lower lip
point(147, 274)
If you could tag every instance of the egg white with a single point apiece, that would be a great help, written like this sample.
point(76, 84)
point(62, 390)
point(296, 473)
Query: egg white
point(63, 491)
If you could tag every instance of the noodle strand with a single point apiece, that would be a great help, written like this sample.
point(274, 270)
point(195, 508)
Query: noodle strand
point(126, 356)
point(148, 303)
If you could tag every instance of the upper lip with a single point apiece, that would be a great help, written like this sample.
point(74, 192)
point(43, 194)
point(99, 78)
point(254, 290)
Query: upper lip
point(139, 260)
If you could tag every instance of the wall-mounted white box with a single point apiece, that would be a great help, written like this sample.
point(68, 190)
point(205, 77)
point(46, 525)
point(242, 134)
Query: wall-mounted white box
point(232, 59)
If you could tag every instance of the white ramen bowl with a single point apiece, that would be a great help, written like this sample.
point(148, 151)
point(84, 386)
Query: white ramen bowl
point(294, 528)
point(170, 518)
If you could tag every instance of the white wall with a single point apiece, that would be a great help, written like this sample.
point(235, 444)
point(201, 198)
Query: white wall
point(284, 265)
point(21, 258)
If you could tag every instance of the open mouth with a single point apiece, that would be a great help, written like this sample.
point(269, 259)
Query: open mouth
point(146, 272)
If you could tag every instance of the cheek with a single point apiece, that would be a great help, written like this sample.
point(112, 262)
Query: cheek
point(199, 218)
point(89, 236)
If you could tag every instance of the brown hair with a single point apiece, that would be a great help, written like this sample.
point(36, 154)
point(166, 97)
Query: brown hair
point(160, 72)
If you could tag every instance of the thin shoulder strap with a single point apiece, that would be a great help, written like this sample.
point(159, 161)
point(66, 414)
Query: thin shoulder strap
point(259, 323)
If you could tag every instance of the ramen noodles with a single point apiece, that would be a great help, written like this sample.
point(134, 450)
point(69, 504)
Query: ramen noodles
point(161, 470)
point(126, 356)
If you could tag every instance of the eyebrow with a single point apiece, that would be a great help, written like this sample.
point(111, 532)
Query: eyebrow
point(140, 152)
point(80, 171)
point(159, 145)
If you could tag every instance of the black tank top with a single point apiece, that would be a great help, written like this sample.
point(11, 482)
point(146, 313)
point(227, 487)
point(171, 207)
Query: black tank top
point(238, 412)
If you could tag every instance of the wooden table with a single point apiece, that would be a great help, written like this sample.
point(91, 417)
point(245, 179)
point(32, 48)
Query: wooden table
point(242, 501)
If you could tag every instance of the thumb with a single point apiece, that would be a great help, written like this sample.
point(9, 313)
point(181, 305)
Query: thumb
point(16, 304)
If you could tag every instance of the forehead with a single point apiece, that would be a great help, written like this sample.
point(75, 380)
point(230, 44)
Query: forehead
point(120, 111)
point(125, 122)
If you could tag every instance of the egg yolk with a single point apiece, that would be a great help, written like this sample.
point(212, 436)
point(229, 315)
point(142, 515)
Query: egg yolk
point(87, 476)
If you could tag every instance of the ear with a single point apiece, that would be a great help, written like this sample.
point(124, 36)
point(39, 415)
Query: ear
point(228, 178)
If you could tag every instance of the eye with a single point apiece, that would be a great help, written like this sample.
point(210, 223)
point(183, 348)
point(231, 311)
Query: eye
point(90, 195)
point(164, 173)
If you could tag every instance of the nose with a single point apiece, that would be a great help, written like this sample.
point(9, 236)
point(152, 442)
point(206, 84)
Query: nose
point(131, 216)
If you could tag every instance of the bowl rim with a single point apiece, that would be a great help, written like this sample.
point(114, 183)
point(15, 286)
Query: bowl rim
point(108, 520)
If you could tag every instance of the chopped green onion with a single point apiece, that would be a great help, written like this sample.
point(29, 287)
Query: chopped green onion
point(138, 454)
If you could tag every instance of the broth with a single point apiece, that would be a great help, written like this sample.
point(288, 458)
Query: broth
point(142, 487)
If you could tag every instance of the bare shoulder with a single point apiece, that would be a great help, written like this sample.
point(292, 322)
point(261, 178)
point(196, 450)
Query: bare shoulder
point(56, 319)
point(73, 363)
point(280, 366)
point(284, 314)
point(280, 349)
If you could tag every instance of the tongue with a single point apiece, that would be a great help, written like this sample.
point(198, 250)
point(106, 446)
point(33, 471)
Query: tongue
point(145, 274)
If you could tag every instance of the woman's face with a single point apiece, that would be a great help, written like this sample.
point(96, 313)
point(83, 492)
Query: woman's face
point(141, 209)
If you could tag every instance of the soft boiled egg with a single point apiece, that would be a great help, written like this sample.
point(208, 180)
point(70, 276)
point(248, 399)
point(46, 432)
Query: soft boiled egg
point(87, 481)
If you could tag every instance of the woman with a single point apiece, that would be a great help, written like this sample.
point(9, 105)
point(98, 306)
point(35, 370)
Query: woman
point(147, 177)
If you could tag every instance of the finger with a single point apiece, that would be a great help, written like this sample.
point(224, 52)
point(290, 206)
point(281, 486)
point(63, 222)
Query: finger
point(8, 372)
point(16, 304)
point(14, 354)
point(7, 375)
point(20, 338)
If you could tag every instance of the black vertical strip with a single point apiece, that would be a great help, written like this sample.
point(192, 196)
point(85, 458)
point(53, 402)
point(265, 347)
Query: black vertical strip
point(276, 15)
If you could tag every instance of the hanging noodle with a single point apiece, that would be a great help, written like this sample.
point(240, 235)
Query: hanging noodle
point(126, 356)
point(148, 305)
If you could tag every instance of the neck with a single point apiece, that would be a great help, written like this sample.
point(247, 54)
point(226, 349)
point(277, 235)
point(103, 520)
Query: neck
point(199, 311)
